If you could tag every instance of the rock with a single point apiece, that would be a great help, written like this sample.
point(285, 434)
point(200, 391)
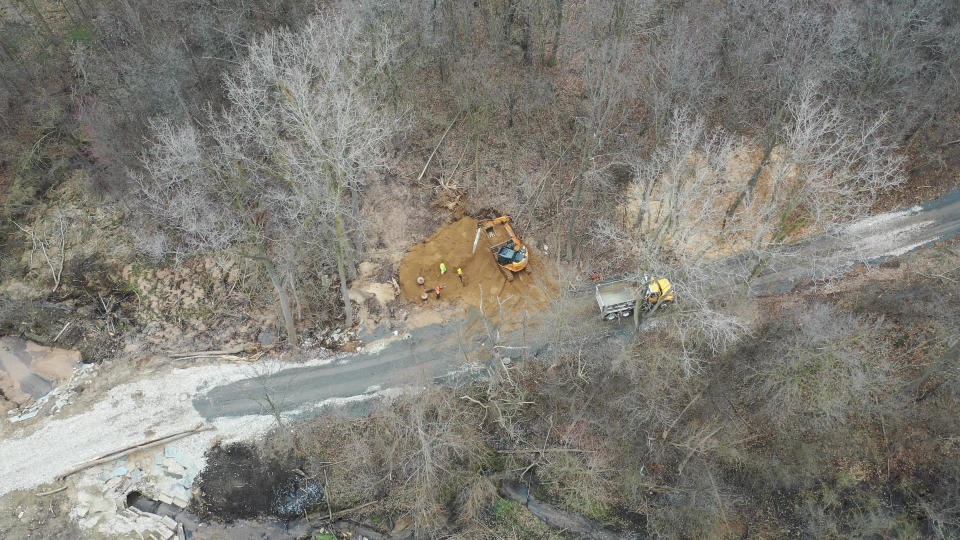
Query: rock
point(367, 268)
point(169, 522)
point(113, 483)
point(268, 337)
point(175, 469)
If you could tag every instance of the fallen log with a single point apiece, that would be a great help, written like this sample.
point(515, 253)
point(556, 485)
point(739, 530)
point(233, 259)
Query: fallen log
point(236, 349)
point(572, 524)
point(51, 492)
point(105, 458)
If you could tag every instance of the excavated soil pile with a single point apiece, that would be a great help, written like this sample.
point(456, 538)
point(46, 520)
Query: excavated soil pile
point(452, 245)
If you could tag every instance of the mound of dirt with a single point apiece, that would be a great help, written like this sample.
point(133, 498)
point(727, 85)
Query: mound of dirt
point(452, 245)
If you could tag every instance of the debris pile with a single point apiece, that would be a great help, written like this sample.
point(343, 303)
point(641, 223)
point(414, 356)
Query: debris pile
point(56, 399)
point(102, 506)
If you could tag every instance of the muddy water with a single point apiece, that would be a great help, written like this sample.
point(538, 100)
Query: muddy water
point(29, 371)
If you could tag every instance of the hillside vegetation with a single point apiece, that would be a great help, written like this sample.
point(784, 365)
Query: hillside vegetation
point(209, 171)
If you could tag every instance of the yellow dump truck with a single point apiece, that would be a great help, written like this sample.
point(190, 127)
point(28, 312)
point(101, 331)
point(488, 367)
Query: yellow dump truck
point(623, 297)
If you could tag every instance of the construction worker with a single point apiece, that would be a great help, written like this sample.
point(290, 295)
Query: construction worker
point(460, 275)
point(437, 290)
point(443, 269)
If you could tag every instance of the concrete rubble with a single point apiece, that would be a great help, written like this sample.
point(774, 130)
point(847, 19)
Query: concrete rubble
point(101, 507)
point(165, 475)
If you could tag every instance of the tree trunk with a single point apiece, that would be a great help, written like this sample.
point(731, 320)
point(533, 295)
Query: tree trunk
point(284, 302)
point(557, 26)
point(574, 211)
point(525, 40)
point(752, 183)
point(342, 270)
point(355, 208)
point(508, 19)
point(577, 196)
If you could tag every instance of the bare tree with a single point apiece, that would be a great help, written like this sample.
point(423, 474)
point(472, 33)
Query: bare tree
point(51, 243)
point(677, 190)
point(608, 86)
point(827, 171)
point(274, 177)
point(671, 229)
point(826, 371)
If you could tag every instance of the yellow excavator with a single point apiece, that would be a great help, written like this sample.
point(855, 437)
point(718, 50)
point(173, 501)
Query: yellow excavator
point(507, 248)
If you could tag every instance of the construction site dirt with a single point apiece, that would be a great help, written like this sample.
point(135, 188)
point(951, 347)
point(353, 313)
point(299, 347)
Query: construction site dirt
point(452, 245)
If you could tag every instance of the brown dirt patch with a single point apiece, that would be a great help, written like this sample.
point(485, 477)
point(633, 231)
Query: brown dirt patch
point(452, 245)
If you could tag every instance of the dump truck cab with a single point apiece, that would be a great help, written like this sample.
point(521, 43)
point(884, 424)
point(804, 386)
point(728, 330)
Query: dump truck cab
point(659, 289)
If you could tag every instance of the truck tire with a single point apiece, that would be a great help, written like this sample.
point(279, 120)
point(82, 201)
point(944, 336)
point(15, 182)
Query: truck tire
point(610, 316)
point(626, 313)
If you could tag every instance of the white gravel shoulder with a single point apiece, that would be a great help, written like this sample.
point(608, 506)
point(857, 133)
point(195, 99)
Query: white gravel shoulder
point(129, 414)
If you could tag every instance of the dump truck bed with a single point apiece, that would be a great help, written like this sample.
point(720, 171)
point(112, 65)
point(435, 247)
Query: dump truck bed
point(615, 293)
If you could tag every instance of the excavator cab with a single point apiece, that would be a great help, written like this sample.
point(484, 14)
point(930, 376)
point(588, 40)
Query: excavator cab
point(508, 250)
point(509, 254)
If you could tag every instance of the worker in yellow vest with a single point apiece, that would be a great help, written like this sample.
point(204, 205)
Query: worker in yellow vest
point(460, 275)
point(443, 269)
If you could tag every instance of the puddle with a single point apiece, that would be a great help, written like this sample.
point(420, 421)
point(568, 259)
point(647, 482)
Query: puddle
point(29, 371)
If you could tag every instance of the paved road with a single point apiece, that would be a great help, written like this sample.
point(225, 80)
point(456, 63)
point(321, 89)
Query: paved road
point(432, 352)
point(869, 240)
